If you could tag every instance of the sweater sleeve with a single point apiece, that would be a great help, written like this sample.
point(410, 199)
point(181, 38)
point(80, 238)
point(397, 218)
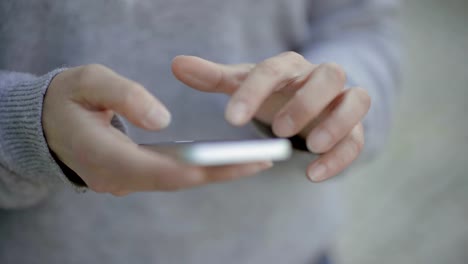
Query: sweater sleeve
point(28, 171)
point(361, 36)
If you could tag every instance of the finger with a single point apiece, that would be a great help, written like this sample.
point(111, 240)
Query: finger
point(267, 77)
point(110, 162)
point(339, 158)
point(323, 85)
point(100, 87)
point(351, 108)
point(172, 175)
point(232, 172)
point(208, 76)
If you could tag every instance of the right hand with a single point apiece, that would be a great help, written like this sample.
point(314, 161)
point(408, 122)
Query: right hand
point(78, 108)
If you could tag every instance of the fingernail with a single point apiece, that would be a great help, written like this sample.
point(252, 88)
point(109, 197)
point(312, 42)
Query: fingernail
point(157, 118)
point(284, 126)
point(318, 173)
point(319, 140)
point(237, 113)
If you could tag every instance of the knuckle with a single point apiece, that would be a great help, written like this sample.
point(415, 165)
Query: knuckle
point(335, 71)
point(95, 67)
point(304, 108)
point(221, 80)
point(331, 142)
point(288, 65)
point(271, 67)
point(332, 131)
point(296, 64)
point(88, 73)
point(292, 55)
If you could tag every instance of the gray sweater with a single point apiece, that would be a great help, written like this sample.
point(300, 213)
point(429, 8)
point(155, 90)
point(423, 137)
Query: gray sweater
point(275, 217)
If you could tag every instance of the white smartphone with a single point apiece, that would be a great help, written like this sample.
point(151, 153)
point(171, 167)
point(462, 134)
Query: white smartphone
point(214, 153)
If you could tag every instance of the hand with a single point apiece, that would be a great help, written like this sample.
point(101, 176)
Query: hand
point(78, 107)
point(295, 97)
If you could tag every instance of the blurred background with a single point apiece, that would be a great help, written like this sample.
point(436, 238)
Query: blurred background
point(411, 205)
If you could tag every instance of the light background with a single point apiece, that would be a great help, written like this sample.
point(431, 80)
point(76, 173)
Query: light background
point(411, 205)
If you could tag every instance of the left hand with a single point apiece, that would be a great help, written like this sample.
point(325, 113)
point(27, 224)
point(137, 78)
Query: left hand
point(295, 97)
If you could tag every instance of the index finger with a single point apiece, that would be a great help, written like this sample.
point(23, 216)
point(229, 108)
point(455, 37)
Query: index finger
point(267, 77)
point(208, 76)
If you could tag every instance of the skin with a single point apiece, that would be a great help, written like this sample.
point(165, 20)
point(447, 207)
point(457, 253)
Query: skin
point(285, 91)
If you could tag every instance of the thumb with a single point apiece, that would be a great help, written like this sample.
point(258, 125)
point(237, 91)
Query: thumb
point(102, 88)
point(208, 76)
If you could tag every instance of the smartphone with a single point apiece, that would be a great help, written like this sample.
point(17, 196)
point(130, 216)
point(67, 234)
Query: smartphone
point(215, 153)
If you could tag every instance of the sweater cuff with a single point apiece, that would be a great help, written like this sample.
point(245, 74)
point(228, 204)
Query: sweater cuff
point(22, 133)
point(23, 137)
